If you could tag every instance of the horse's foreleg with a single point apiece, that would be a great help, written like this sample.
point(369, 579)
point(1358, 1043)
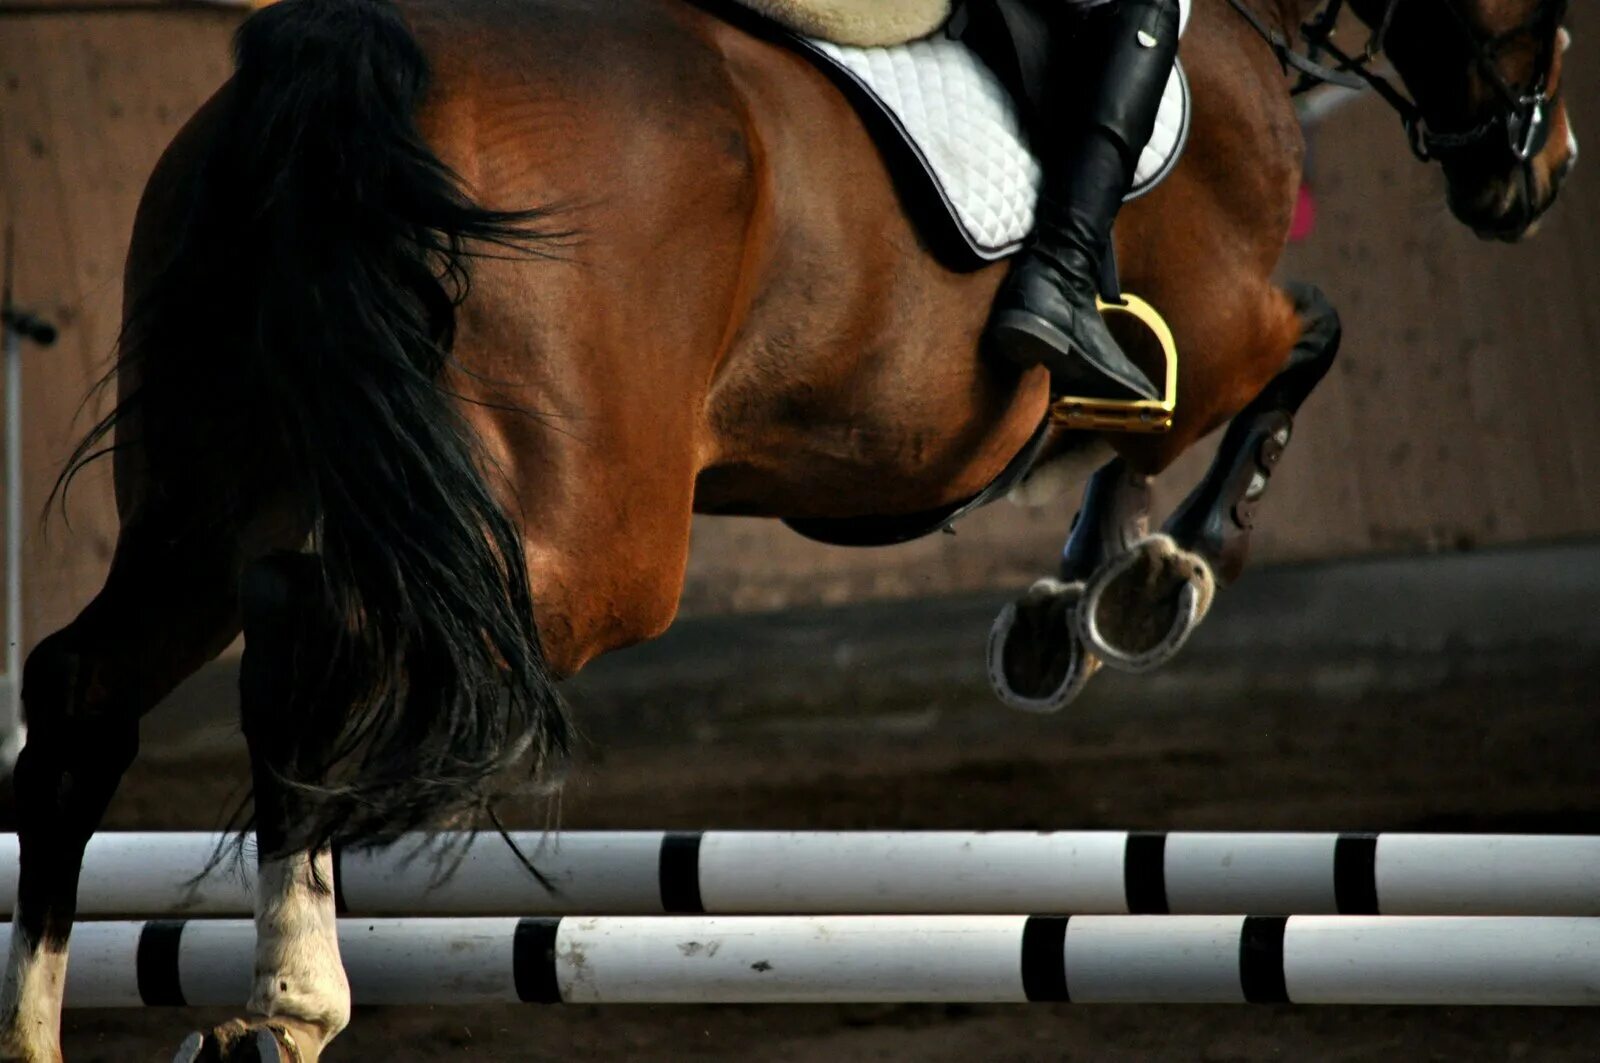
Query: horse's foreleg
point(299, 997)
point(1037, 661)
point(1216, 518)
point(166, 608)
point(1139, 610)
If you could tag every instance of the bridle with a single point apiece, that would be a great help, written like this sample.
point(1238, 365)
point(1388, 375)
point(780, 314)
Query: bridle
point(1523, 115)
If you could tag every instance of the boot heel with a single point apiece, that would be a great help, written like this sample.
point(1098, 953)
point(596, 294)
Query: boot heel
point(1027, 340)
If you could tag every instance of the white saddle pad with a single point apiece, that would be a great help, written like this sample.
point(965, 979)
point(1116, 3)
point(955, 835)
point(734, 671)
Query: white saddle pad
point(963, 128)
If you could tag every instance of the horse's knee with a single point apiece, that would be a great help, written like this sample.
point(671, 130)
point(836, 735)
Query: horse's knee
point(1313, 354)
point(1268, 350)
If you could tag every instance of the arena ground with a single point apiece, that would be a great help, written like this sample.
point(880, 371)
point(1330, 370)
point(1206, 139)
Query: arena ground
point(1358, 731)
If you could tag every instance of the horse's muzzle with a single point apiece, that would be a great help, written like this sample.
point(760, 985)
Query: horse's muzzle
point(1502, 198)
point(1494, 215)
point(1509, 208)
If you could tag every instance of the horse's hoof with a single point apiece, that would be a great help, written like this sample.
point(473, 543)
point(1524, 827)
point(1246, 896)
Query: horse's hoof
point(239, 1041)
point(189, 1051)
point(1140, 607)
point(1037, 662)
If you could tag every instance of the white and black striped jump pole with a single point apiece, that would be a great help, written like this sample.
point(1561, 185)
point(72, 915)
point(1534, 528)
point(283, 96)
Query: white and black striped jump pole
point(916, 958)
point(933, 872)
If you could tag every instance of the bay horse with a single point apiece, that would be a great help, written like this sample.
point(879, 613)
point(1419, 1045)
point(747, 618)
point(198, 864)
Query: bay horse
point(692, 289)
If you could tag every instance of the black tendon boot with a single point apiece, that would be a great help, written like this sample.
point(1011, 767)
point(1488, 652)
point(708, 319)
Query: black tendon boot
point(1108, 71)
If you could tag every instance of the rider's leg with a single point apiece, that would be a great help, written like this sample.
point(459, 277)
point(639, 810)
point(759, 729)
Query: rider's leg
point(1110, 64)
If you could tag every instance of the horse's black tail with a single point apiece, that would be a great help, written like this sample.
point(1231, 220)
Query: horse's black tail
point(291, 348)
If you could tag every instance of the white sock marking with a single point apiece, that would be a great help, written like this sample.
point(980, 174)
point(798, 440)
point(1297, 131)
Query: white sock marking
point(298, 972)
point(30, 1000)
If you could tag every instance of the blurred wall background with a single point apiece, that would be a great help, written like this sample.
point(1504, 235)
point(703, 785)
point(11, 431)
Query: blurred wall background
point(1461, 413)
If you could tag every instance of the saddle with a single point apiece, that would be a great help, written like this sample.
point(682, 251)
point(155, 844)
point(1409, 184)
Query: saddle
point(942, 97)
point(860, 23)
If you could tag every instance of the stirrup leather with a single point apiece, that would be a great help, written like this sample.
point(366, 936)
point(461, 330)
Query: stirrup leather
point(1127, 415)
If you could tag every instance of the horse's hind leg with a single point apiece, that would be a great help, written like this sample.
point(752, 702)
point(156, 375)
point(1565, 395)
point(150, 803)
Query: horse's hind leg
point(1138, 611)
point(167, 607)
point(299, 998)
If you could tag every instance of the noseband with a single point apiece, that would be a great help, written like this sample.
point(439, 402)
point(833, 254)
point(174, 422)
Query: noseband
point(1522, 117)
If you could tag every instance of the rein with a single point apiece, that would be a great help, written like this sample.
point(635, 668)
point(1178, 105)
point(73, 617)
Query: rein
point(1524, 112)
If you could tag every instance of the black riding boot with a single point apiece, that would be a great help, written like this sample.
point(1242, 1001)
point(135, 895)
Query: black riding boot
point(1109, 68)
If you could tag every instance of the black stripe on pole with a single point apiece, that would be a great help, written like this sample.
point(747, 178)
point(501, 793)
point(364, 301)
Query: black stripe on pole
point(1355, 874)
point(1144, 872)
point(1044, 958)
point(680, 873)
point(1261, 959)
point(156, 964)
point(340, 905)
point(533, 960)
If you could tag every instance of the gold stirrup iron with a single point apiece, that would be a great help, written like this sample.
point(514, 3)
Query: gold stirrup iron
point(1127, 415)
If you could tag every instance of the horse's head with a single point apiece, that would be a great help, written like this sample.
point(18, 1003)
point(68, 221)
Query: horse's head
point(1486, 76)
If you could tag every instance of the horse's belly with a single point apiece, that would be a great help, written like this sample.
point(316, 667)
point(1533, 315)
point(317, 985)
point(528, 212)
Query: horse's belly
point(907, 431)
